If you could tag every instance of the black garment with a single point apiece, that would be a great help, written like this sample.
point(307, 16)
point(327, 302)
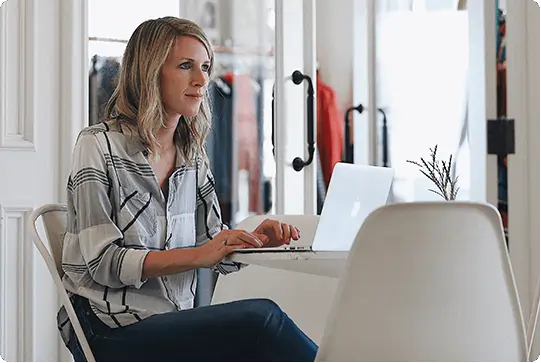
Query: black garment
point(103, 80)
point(220, 140)
point(320, 186)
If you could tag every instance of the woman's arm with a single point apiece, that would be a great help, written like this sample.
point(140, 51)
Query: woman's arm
point(163, 263)
point(210, 254)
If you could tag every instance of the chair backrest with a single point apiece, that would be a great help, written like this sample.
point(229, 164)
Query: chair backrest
point(427, 282)
point(533, 329)
point(54, 217)
point(54, 223)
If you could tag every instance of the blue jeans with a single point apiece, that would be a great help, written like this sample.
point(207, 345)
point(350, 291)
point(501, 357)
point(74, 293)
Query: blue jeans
point(245, 330)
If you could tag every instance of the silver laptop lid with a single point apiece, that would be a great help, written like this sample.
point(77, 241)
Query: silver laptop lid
point(354, 192)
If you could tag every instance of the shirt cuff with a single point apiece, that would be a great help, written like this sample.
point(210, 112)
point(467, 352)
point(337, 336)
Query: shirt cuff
point(131, 270)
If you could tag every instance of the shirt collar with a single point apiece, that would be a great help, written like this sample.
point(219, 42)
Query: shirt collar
point(135, 145)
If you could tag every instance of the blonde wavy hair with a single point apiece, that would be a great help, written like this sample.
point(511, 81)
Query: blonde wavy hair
point(137, 99)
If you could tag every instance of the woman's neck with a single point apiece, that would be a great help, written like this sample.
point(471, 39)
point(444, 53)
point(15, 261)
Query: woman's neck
point(166, 136)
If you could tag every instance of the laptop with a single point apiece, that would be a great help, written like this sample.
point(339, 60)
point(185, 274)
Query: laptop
point(353, 193)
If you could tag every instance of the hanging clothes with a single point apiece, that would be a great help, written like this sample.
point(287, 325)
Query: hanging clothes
point(246, 134)
point(501, 68)
point(93, 109)
point(103, 79)
point(502, 113)
point(330, 129)
point(320, 186)
point(220, 144)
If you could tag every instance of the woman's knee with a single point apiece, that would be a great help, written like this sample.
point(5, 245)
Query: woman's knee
point(268, 313)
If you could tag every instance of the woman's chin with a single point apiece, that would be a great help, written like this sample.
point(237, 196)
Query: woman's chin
point(190, 112)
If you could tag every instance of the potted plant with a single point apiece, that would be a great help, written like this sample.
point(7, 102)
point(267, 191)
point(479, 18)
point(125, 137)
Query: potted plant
point(439, 172)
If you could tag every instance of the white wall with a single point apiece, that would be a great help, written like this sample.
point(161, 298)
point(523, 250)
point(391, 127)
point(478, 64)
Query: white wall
point(42, 106)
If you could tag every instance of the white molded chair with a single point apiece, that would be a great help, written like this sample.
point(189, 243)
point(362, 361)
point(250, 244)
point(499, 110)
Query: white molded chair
point(533, 329)
point(427, 282)
point(306, 298)
point(54, 217)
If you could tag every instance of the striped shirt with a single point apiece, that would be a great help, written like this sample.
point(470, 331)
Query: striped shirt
point(117, 213)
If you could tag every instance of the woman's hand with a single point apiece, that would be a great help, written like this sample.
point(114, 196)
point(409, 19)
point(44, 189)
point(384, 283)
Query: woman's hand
point(278, 233)
point(225, 242)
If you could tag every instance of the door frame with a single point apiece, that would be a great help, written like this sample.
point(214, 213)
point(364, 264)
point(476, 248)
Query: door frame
point(364, 84)
point(73, 77)
point(73, 22)
point(295, 29)
point(522, 47)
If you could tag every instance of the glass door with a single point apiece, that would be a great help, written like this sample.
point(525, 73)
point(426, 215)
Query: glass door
point(425, 80)
point(421, 81)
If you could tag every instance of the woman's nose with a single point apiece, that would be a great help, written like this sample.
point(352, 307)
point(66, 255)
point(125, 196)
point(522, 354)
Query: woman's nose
point(199, 78)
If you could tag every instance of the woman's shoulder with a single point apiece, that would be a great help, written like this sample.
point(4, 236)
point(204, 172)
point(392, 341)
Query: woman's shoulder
point(110, 126)
point(108, 134)
point(93, 134)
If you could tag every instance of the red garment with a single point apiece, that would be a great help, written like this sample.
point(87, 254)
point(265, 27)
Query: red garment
point(245, 118)
point(330, 129)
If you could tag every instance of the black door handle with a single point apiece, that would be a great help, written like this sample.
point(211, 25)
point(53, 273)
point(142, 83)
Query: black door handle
point(348, 147)
point(298, 78)
point(384, 138)
point(272, 121)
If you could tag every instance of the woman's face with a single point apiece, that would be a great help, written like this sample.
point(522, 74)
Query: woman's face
point(184, 78)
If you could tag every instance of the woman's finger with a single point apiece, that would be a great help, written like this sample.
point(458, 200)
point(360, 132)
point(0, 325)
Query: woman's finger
point(262, 237)
point(287, 232)
point(250, 239)
point(295, 233)
point(277, 228)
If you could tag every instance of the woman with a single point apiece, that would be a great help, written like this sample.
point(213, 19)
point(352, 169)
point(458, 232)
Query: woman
point(143, 216)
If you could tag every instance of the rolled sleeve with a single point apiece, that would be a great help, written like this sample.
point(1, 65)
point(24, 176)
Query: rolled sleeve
point(131, 271)
point(96, 241)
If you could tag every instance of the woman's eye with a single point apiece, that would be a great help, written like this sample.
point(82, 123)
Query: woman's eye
point(205, 67)
point(185, 65)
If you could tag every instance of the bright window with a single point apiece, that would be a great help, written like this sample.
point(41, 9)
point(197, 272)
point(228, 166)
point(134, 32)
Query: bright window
point(113, 21)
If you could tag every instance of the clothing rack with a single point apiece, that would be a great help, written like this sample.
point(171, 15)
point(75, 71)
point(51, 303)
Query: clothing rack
point(109, 40)
point(255, 64)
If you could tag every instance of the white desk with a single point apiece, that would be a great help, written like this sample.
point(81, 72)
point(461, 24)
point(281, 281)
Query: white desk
point(302, 283)
point(329, 264)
